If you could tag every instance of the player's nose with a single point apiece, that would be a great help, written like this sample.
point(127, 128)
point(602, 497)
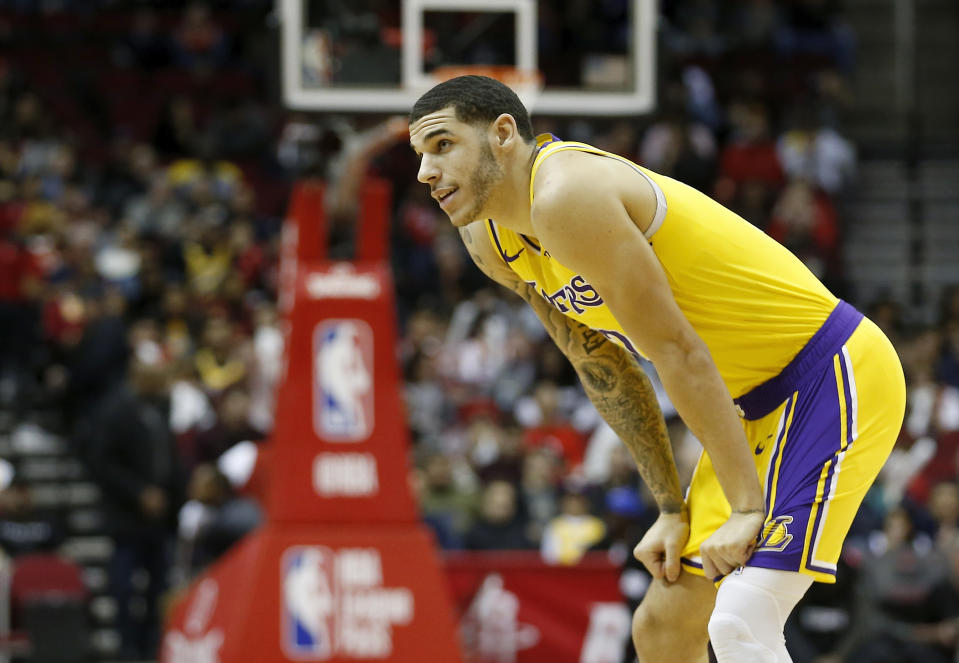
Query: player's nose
point(428, 170)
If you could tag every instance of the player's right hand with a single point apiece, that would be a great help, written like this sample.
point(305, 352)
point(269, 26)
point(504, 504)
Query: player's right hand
point(662, 545)
point(730, 546)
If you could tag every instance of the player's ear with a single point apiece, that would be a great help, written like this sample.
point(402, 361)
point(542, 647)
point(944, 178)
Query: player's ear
point(504, 130)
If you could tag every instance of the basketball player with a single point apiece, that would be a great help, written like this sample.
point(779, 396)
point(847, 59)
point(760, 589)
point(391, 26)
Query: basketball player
point(795, 396)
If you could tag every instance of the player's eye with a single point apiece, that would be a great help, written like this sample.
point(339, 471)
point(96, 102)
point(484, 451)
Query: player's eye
point(443, 144)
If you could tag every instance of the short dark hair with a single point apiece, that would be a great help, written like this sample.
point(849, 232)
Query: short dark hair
point(475, 100)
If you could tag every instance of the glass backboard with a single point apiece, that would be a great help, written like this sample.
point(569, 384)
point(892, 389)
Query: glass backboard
point(594, 58)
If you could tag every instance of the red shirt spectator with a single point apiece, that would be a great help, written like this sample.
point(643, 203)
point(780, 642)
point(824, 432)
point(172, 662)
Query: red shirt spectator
point(19, 271)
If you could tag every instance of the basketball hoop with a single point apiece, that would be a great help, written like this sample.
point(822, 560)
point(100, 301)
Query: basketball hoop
point(526, 83)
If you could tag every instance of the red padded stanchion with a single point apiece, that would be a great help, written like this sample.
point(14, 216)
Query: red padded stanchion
point(342, 571)
point(374, 227)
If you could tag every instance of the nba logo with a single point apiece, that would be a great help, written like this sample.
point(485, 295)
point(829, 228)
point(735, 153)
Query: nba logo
point(343, 380)
point(308, 603)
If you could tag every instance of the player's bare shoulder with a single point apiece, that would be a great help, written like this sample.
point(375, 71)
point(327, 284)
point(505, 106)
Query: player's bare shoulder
point(567, 172)
point(575, 176)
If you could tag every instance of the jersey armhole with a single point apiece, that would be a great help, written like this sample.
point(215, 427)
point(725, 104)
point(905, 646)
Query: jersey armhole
point(660, 214)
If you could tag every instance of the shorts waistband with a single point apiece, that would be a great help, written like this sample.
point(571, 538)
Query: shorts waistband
point(827, 341)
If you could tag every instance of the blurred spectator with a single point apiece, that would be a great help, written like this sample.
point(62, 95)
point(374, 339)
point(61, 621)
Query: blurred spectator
point(191, 412)
point(20, 283)
point(944, 509)
point(805, 222)
point(575, 530)
point(23, 527)
point(211, 521)
point(750, 154)
point(701, 102)
point(119, 263)
point(928, 447)
point(553, 429)
point(627, 516)
point(621, 138)
point(947, 365)
point(752, 24)
point(542, 469)
point(198, 42)
point(176, 134)
point(156, 213)
point(208, 259)
point(908, 608)
point(223, 359)
point(816, 153)
point(96, 350)
point(267, 366)
point(180, 320)
point(500, 524)
point(813, 28)
point(933, 406)
point(427, 408)
point(206, 181)
point(127, 174)
point(886, 312)
point(694, 31)
point(145, 46)
point(232, 426)
point(444, 499)
point(508, 463)
point(249, 257)
point(677, 139)
point(240, 128)
point(132, 457)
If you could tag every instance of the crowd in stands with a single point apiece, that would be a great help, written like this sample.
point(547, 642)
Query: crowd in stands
point(144, 164)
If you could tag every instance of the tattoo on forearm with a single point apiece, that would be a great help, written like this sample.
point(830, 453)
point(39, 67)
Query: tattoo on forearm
point(597, 377)
point(621, 393)
point(592, 340)
point(614, 382)
point(625, 398)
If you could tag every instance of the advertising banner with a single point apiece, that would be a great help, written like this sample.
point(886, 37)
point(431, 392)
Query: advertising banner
point(514, 608)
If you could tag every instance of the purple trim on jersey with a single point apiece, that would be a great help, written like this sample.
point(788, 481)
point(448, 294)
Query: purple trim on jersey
point(826, 342)
point(552, 139)
point(689, 562)
point(533, 245)
point(499, 247)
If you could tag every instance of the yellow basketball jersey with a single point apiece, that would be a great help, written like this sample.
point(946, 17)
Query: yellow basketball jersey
point(753, 303)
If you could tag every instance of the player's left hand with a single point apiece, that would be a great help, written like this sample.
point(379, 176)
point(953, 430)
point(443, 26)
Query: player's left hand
point(660, 548)
point(731, 545)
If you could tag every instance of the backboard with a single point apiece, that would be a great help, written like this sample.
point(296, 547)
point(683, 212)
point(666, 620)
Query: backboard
point(594, 58)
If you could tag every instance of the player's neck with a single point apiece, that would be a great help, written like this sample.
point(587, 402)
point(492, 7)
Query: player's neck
point(511, 207)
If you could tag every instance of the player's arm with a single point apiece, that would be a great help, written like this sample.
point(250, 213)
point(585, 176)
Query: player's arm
point(580, 215)
point(614, 382)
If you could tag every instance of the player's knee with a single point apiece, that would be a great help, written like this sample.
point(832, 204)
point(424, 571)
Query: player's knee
point(644, 625)
point(733, 640)
point(654, 625)
point(648, 628)
point(749, 615)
